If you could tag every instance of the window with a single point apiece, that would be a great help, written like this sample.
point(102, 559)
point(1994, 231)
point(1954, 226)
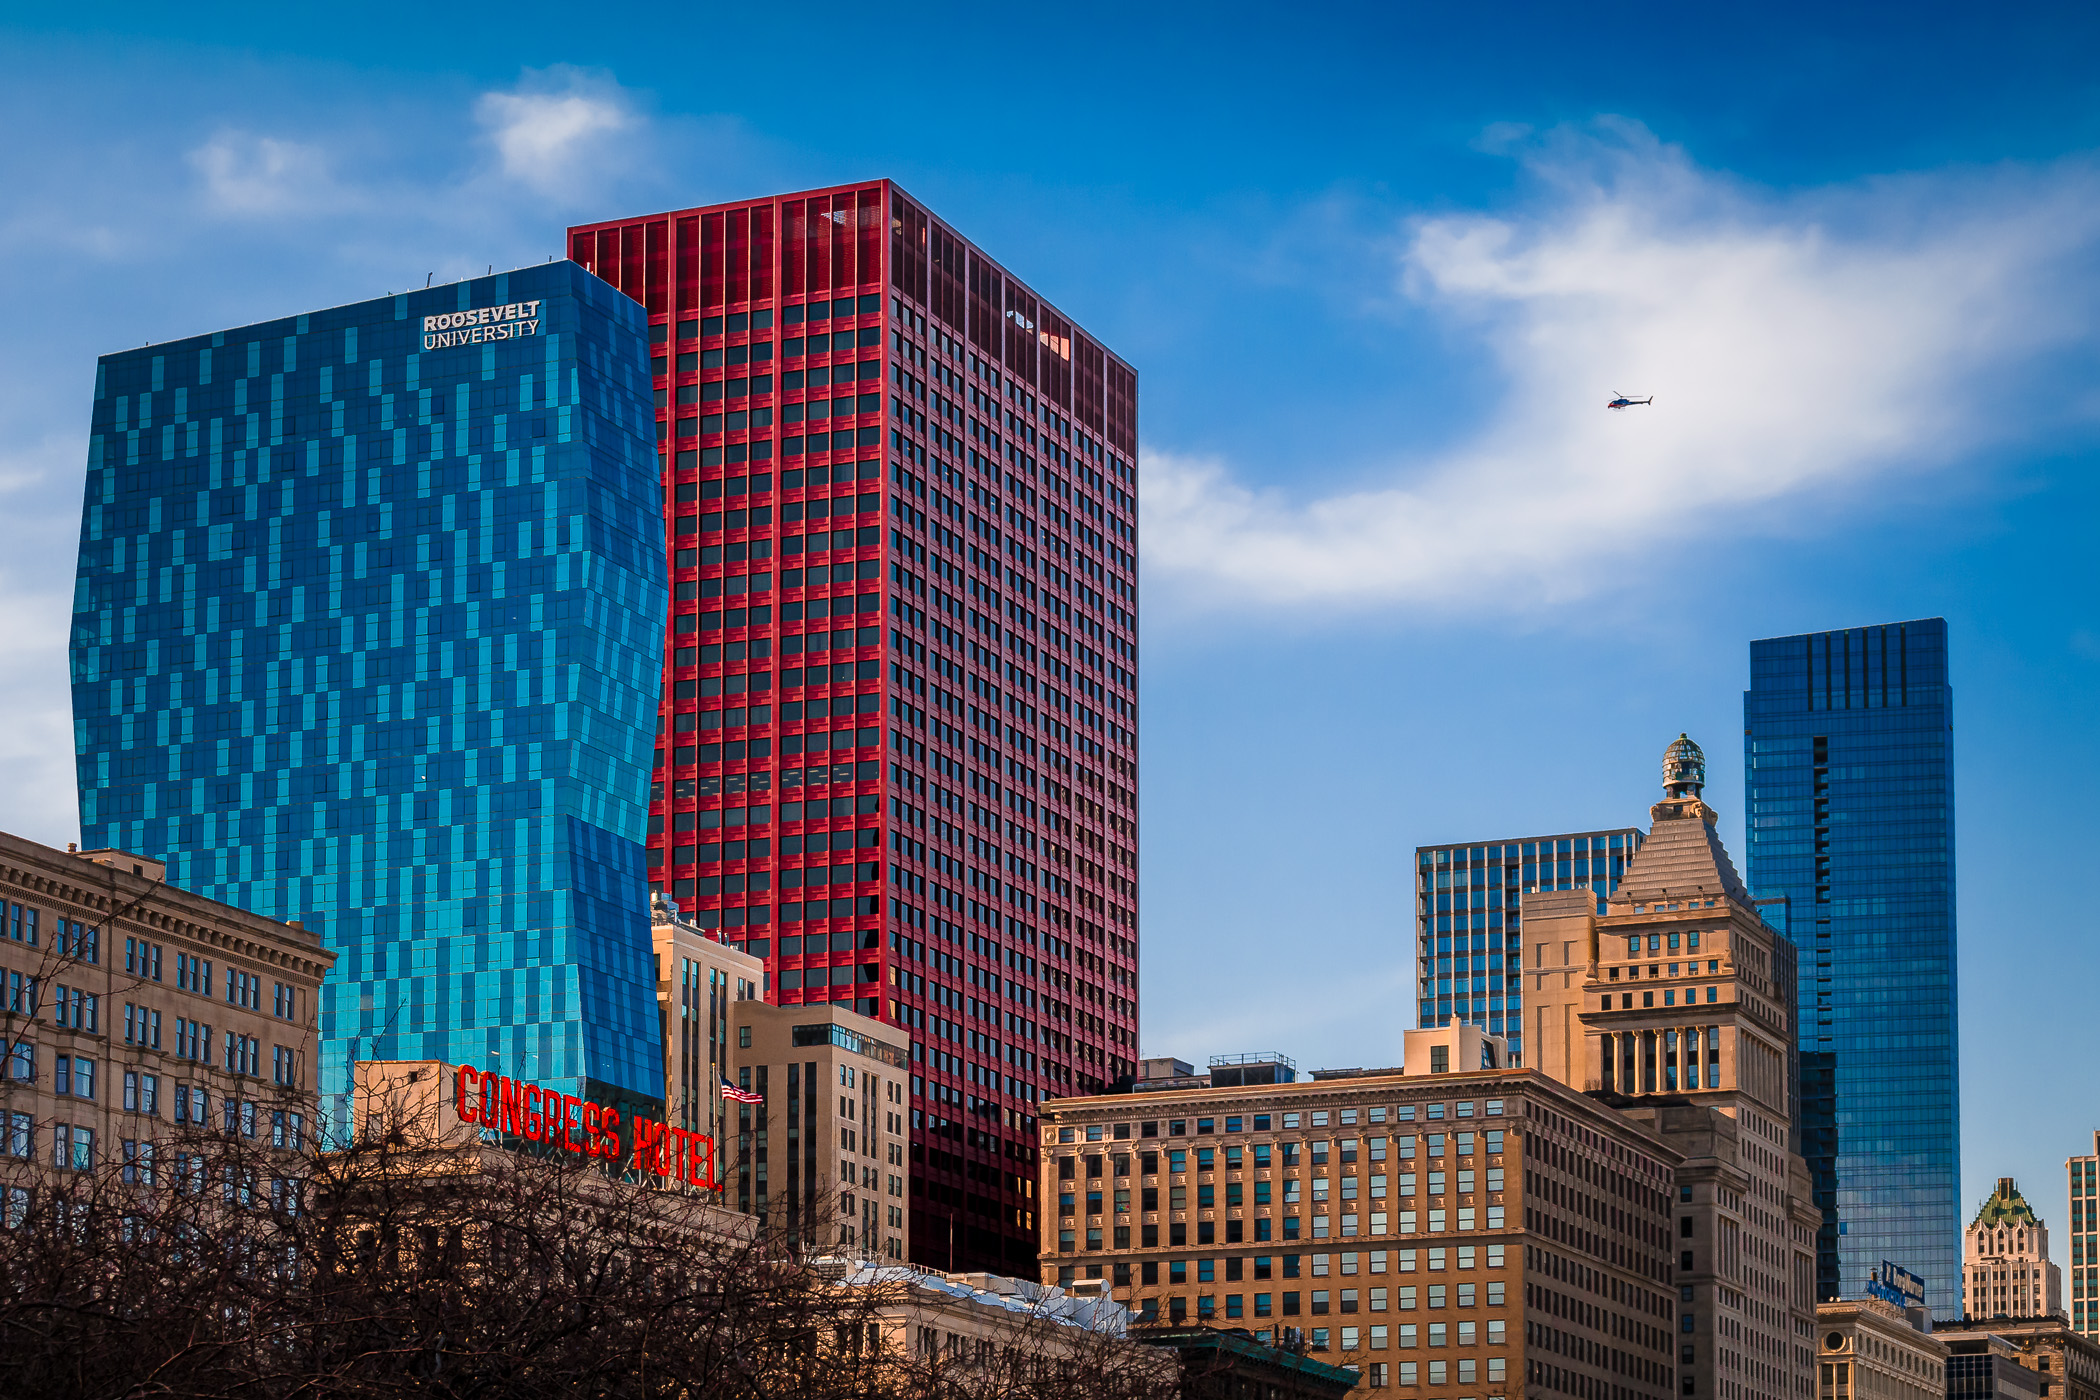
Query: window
point(141, 1092)
point(73, 1147)
point(75, 1077)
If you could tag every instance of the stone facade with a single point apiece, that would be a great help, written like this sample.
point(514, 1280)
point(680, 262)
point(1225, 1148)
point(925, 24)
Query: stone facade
point(827, 1150)
point(700, 984)
point(1676, 1006)
point(1871, 1350)
point(132, 1012)
point(2084, 1174)
point(2065, 1364)
point(2005, 1267)
point(1472, 1232)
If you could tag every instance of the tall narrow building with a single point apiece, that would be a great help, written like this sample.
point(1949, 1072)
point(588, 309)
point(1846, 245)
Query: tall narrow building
point(1676, 1007)
point(1469, 919)
point(897, 756)
point(1848, 748)
point(2084, 1174)
point(367, 634)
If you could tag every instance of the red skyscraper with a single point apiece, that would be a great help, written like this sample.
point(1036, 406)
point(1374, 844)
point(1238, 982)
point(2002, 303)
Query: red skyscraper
point(898, 752)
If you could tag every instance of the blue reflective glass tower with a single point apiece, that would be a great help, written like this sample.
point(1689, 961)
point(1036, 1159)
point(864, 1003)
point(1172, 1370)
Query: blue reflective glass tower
point(368, 632)
point(1469, 914)
point(1848, 748)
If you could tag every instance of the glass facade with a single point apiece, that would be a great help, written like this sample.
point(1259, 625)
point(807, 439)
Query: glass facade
point(1469, 919)
point(2084, 1299)
point(899, 740)
point(1848, 752)
point(368, 633)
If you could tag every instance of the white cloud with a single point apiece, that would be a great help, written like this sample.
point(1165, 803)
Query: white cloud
point(36, 743)
point(555, 133)
point(1795, 345)
point(249, 175)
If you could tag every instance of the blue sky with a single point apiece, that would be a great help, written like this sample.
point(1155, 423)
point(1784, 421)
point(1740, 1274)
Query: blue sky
point(1406, 580)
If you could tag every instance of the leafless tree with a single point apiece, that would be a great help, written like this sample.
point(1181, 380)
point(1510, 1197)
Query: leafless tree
point(398, 1265)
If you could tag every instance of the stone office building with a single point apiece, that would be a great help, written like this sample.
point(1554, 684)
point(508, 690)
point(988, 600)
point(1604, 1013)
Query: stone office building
point(1676, 1007)
point(1484, 1231)
point(2005, 1269)
point(132, 1011)
point(2065, 1364)
point(1869, 1349)
point(826, 1152)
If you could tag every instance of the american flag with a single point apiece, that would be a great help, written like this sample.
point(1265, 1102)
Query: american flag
point(736, 1095)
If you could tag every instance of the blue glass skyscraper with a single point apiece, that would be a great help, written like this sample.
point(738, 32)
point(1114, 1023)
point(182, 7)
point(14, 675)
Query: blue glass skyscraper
point(1848, 749)
point(369, 632)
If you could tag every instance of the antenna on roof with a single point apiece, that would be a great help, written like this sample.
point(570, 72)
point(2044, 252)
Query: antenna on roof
point(427, 276)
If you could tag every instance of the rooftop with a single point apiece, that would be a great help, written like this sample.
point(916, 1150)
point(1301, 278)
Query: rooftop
point(2005, 1206)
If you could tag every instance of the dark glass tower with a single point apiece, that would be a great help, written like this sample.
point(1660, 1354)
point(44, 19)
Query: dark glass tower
point(1848, 749)
point(368, 633)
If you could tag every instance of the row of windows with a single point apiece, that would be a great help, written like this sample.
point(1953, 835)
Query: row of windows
point(74, 1075)
point(1324, 1227)
point(74, 1146)
point(1287, 1154)
point(1669, 997)
point(1261, 1122)
point(1293, 1191)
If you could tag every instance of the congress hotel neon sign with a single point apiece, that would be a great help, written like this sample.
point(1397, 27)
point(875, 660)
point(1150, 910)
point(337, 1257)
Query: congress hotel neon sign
point(527, 1111)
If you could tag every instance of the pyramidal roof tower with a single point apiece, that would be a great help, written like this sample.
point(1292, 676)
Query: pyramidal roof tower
point(1683, 858)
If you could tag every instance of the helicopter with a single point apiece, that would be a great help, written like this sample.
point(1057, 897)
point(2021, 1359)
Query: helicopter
point(1619, 400)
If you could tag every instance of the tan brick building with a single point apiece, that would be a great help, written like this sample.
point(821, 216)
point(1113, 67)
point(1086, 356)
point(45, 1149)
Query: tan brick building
point(2005, 1269)
point(1676, 1006)
point(1868, 1349)
point(131, 1010)
point(1472, 1232)
point(700, 983)
point(828, 1149)
point(2066, 1363)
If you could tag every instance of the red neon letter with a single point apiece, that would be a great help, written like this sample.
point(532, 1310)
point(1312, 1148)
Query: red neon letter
point(529, 1100)
point(513, 1113)
point(568, 1142)
point(461, 1083)
point(707, 1178)
point(609, 1120)
point(592, 1147)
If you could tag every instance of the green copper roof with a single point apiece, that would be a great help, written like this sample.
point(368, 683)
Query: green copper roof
point(2006, 1206)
